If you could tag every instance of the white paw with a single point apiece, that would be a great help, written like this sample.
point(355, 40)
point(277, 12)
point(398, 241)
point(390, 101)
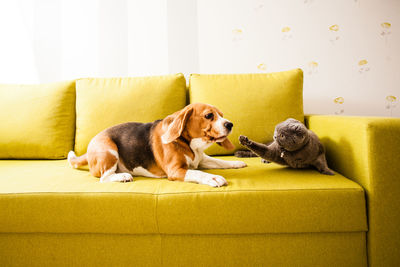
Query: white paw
point(238, 164)
point(214, 180)
point(71, 155)
point(121, 177)
point(204, 178)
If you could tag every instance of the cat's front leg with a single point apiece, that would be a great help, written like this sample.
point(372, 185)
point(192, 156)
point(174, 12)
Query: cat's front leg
point(269, 153)
point(322, 166)
point(257, 148)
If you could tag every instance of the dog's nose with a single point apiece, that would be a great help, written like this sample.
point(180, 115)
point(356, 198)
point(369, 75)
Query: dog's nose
point(228, 125)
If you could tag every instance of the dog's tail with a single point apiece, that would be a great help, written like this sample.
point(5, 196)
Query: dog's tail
point(76, 162)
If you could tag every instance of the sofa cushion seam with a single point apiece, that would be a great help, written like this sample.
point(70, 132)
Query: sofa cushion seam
point(188, 193)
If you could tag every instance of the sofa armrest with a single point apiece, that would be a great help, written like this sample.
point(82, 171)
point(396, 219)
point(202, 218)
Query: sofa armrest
point(367, 150)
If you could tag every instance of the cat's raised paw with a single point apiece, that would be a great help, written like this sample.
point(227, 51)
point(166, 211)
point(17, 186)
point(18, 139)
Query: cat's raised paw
point(244, 140)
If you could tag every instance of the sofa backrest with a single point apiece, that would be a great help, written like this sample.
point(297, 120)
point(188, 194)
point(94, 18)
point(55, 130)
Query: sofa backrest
point(48, 120)
point(37, 121)
point(105, 102)
point(255, 103)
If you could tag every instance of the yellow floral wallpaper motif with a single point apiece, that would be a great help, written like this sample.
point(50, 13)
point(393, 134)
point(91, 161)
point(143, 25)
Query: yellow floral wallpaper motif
point(386, 30)
point(334, 28)
point(334, 33)
point(262, 67)
point(312, 68)
point(286, 33)
point(391, 103)
point(237, 34)
point(363, 66)
point(339, 101)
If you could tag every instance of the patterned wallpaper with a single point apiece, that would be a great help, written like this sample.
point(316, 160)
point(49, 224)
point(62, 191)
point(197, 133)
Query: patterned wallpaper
point(348, 49)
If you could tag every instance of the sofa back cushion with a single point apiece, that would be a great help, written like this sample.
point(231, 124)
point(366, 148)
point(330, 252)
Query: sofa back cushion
point(105, 102)
point(255, 103)
point(37, 121)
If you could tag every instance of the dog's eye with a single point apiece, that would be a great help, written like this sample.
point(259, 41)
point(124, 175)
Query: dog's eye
point(209, 116)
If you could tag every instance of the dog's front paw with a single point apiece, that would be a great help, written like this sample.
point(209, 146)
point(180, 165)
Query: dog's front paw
point(214, 180)
point(244, 140)
point(205, 178)
point(238, 164)
point(121, 177)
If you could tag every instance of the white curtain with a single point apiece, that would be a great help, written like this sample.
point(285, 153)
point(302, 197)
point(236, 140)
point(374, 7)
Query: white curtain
point(17, 55)
point(51, 40)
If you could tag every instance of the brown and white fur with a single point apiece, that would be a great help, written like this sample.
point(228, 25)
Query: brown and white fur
point(172, 148)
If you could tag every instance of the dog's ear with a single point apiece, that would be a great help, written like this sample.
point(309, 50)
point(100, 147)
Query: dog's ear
point(227, 144)
point(174, 124)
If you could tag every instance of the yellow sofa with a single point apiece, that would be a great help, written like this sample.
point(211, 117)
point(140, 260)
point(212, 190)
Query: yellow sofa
point(268, 215)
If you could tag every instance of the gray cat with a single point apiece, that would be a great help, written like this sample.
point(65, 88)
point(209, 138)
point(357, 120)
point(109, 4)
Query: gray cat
point(294, 145)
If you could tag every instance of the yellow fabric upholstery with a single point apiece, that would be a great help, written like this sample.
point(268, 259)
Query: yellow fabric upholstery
point(268, 215)
point(306, 249)
point(105, 102)
point(255, 103)
point(37, 121)
point(367, 150)
point(275, 199)
point(44, 249)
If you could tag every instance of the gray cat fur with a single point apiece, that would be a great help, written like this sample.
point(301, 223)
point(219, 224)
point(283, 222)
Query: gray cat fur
point(294, 146)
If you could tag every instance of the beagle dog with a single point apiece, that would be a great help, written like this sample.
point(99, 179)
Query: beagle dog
point(172, 148)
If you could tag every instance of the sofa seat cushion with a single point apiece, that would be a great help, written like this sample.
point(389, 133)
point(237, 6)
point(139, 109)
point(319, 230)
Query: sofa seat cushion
point(49, 196)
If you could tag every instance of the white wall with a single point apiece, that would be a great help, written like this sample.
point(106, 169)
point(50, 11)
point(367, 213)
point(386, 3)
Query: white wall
point(266, 36)
point(182, 36)
point(80, 39)
point(17, 55)
point(51, 40)
point(148, 37)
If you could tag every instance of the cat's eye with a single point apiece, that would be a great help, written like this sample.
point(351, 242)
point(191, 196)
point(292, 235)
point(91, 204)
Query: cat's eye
point(209, 116)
